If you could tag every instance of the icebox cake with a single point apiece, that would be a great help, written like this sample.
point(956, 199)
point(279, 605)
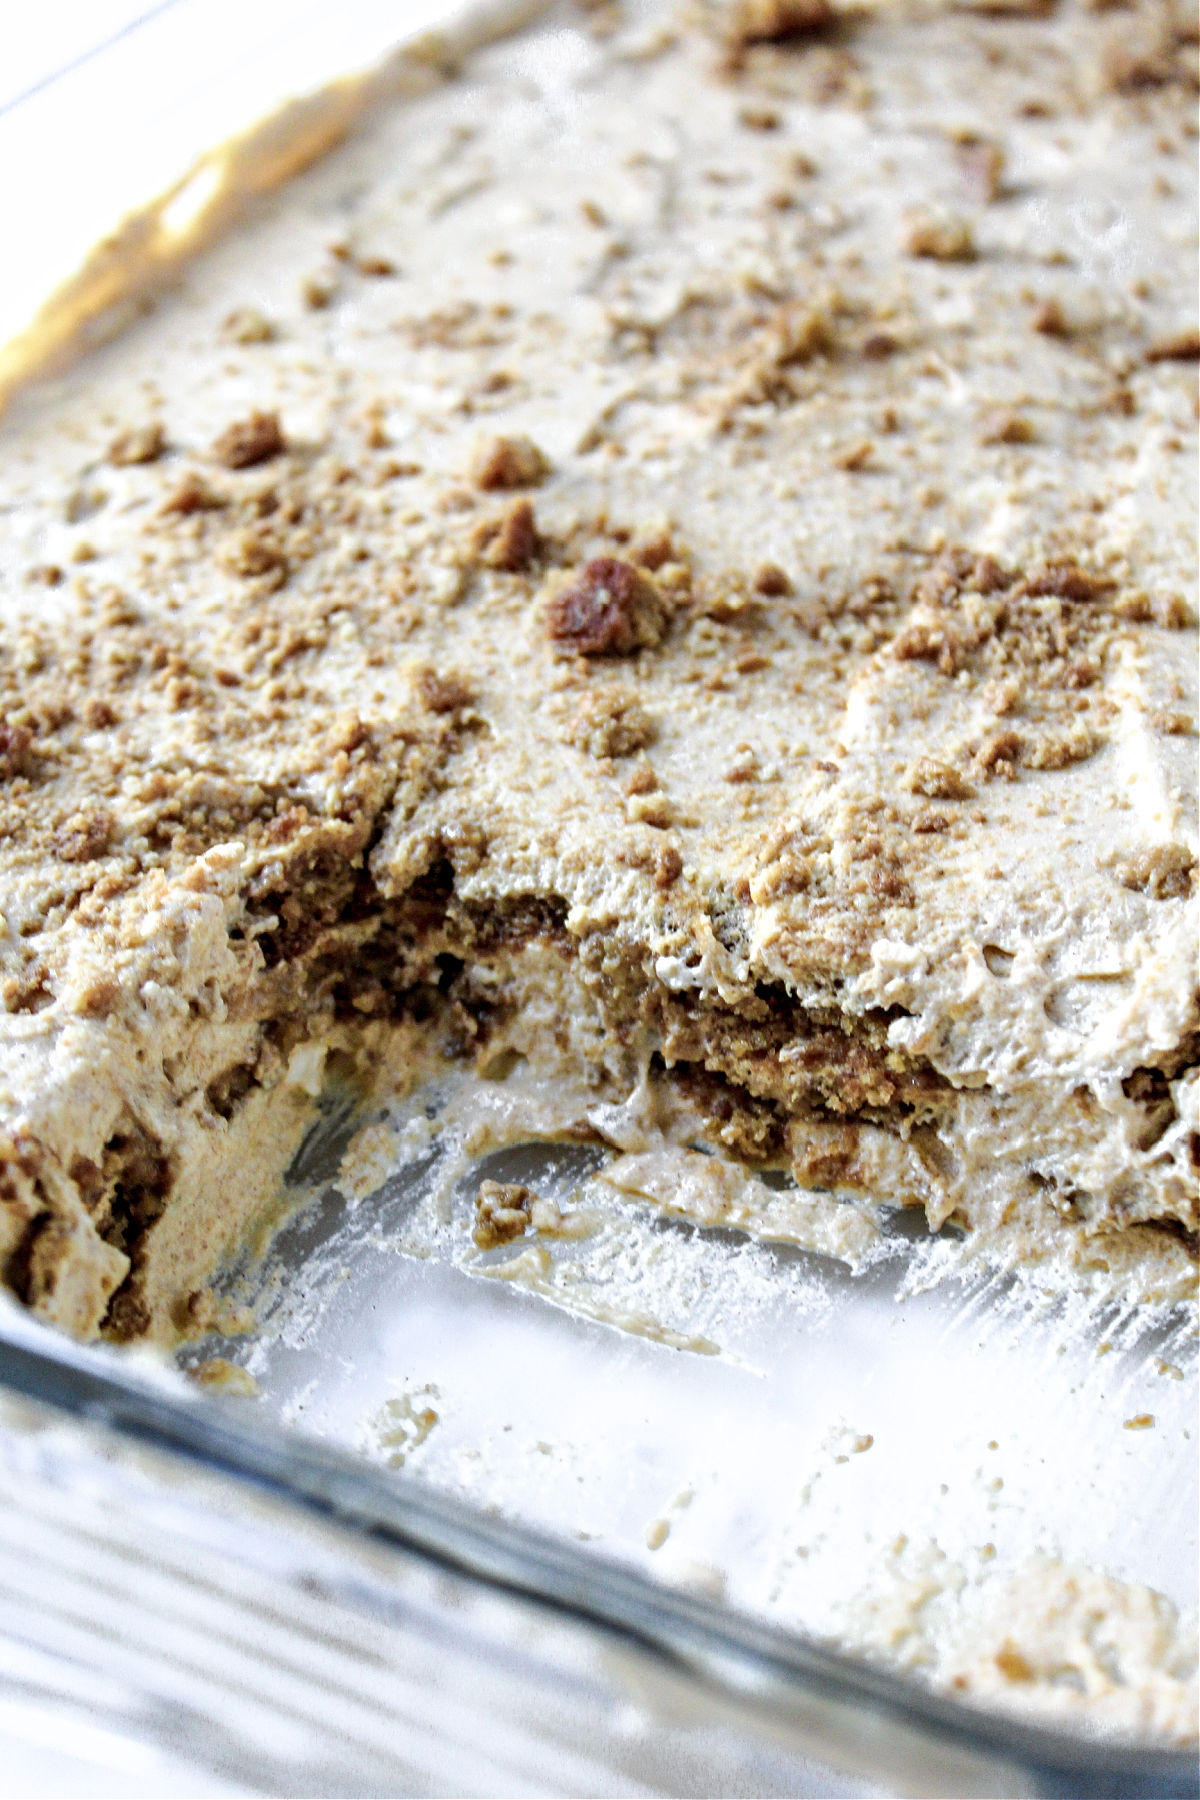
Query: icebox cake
point(665, 562)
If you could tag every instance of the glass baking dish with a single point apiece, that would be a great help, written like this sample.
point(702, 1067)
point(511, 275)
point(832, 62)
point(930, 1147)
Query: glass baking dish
point(572, 1520)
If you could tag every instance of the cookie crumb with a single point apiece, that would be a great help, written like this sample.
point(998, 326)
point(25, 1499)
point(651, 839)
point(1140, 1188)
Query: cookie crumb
point(315, 293)
point(1008, 428)
point(248, 442)
point(937, 781)
point(775, 21)
point(1165, 871)
point(759, 118)
point(856, 458)
point(1181, 346)
point(192, 495)
point(770, 581)
point(516, 543)
point(502, 1213)
point(246, 325)
point(609, 723)
point(940, 239)
point(229, 1377)
point(447, 693)
point(1050, 319)
point(143, 444)
point(508, 462)
point(668, 868)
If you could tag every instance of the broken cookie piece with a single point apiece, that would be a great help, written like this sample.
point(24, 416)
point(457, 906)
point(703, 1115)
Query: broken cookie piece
point(609, 608)
point(502, 1213)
